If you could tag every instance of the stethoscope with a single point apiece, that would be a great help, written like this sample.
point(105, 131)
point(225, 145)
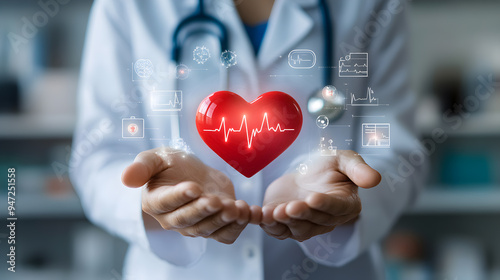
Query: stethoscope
point(319, 105)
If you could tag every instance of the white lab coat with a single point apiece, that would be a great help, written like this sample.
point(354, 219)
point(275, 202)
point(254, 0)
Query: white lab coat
point(120, 32)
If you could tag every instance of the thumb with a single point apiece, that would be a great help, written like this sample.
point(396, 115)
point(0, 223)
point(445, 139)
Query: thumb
point(353, 165)
point(146, 165)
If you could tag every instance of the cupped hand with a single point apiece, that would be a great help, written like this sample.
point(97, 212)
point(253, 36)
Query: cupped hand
point(185, 195)
point(300, 206)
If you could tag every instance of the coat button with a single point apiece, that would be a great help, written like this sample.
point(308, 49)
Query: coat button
point(250, 251)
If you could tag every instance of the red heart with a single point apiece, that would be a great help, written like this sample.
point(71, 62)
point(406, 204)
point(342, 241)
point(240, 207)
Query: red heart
point(249, 136)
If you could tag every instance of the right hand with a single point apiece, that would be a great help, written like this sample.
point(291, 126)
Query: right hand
point(185, 195)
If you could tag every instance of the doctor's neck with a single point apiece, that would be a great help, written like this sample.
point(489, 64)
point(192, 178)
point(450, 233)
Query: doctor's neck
point(253, 12)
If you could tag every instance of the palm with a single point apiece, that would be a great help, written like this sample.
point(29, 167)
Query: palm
point(184, 195)
point(188, 168)
point(302, 206)
point(323, 177)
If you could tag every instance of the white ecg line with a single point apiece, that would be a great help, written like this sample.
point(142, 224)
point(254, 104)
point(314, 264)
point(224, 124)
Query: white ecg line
point(249, 135)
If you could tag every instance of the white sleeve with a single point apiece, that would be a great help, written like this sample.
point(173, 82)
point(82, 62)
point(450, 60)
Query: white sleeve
point(99, 154)
point(402, 167)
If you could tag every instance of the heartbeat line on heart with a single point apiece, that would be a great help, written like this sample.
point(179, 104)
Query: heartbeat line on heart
point(250, 134)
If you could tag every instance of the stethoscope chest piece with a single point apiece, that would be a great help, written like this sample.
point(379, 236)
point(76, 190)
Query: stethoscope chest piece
point(326, 102)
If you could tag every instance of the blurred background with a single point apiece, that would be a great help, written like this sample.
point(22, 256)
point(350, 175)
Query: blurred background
point(451, 233)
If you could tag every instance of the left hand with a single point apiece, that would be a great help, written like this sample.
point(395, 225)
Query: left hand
point(302, 206)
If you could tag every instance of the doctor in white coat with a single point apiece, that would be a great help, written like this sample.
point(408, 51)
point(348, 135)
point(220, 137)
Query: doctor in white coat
point(185, 222)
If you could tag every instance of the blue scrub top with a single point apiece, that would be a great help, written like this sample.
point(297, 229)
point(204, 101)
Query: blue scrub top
point(256, 34)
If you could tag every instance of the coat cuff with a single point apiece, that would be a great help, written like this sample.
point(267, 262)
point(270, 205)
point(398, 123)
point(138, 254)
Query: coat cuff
point(175, 248)
point(335, 248)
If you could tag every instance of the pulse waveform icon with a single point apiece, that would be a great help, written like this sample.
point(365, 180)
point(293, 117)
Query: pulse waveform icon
point(369, 100)
point(299, 60)
point(250, 135)
point(302, 59)
point(166, 100)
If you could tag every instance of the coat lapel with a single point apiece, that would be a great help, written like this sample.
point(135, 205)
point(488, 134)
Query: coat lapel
point(288, 25)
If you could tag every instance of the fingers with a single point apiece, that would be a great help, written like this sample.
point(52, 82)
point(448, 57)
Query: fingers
point(295, 211)
point(267, 215)
point(270, 226)
point(279, 214)
point(224, 226)
point(353, 165)
point(167, 199)
point(228, 234)
point(211, 224)
point(255, 215)
point(231, 210)
point(277, 230)
point(302, 230)
point(333, 205)
point(244, 212)
point(299, 230)
point(299, 210)
point(191, 213)
point(146, 165)
point(296, 220)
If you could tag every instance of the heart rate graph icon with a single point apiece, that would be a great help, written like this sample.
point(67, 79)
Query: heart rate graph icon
point(249, 136)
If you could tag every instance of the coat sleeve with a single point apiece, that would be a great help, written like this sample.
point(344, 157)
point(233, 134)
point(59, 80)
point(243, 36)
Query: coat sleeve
point(106, 95)
point(402, 167)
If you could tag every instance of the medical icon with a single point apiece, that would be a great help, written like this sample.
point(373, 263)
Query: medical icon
point(329, 93)
point(201, 54)
point(302, 59)
point(376, 135)
point(182, 72)
point(326, 148)
point(249, 136)
point(322, 121)
point(132, 127)
point(354, 65)
point(228, 58)
point(168, 100)
point(142, 69)
point(368, 100)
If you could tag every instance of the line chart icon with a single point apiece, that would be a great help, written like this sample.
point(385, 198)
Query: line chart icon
point(376, 135)
point(354, 65)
